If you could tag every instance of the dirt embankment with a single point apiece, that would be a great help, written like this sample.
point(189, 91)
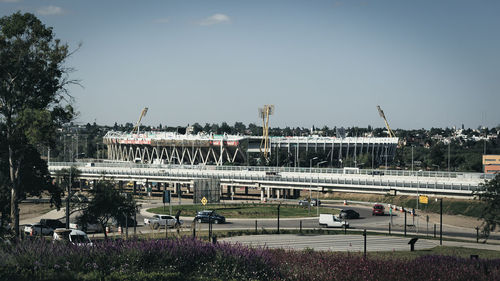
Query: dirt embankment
point(32, 210)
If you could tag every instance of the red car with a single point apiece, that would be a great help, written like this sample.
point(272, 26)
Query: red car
point(378, 209)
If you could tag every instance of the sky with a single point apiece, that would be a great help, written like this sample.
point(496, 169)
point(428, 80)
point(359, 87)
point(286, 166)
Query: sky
point(427, 64)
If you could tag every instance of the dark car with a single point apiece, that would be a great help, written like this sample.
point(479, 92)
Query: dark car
point(203, 216)
point(349, 214)
point(378, 209)
point(52, 223)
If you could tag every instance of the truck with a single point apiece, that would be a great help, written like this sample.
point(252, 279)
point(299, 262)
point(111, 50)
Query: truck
point(329, 220)
point(91, 227)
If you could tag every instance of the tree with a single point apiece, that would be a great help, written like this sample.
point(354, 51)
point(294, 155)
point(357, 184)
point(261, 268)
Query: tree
point(33, 99)
point(490, 195)
point(107, 203)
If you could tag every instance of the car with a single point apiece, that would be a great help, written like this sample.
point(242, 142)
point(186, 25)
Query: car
point(204, 216)
point(52, 223)
point(329, 220)
point(36, 228)
point(314, 202)
point(73, 236)
point(157, 221)
point(378, 209)
point(349, 214)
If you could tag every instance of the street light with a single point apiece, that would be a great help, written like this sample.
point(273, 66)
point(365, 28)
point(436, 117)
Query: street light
point(317, 190)
point(310, 182)
point(440, 220)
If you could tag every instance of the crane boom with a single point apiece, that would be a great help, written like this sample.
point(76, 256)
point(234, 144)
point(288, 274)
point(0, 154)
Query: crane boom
point(138, 124)
point(389, 131)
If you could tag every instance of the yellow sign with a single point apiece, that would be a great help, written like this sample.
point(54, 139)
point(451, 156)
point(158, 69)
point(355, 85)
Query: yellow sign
point(423, 199)
point(204, 201)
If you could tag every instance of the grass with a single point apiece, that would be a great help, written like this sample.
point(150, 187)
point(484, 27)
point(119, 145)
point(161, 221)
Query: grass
point(438, 251)
point(250, 210)
point(471, 208)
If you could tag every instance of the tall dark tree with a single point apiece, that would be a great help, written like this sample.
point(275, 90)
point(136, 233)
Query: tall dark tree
point(33, 100)
point(107, 203)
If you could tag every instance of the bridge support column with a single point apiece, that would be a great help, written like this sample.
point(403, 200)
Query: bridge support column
point(268, 192)
point(233, 191)
point(277, 193)
point(262, 195)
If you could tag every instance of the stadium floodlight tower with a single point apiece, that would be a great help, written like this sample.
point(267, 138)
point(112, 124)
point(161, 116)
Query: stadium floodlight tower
point(389, 131)
point(264, 113)
point(138, 124)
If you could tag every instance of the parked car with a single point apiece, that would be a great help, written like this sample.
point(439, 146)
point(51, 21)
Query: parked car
point(314, 202)
point(204, 216)
point(378, 209)
point(329, 220)
point(158, 221)
point(36, 228)
point(73, 236)
point(52, 223)
point(349, 214)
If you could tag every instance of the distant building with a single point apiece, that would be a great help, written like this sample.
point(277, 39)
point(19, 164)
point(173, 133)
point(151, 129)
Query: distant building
point(491, 164)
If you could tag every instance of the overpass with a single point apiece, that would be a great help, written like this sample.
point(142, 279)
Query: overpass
point(279, 182)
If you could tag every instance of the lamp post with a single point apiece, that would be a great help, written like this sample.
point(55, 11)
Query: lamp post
point(412, 159)
point(440, 220)
point(310, 182)
point(317, 190)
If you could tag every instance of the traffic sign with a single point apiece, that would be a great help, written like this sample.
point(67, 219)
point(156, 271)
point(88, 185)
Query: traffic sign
point(423, 199)
point(166, 196)
point(204, 201)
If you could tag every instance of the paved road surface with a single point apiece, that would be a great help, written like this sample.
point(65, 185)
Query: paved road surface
point(337, 243)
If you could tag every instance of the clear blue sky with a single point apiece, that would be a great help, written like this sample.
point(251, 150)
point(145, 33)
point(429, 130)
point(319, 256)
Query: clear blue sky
point(426, 63)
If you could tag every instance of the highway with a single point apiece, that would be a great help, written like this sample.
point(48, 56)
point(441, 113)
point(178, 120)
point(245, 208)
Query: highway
point(277, 181)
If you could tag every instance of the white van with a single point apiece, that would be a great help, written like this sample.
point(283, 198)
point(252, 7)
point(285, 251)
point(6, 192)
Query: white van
point(329, 220)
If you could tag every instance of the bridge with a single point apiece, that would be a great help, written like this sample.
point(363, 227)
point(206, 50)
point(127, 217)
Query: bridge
point(282, 182)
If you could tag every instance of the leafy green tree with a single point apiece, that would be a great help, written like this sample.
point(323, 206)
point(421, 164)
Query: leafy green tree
point(107, 203)
point(490, 195)
point(33, 99)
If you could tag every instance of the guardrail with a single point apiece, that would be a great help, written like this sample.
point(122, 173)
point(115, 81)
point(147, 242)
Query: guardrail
point(405, 173)
point(313, 178)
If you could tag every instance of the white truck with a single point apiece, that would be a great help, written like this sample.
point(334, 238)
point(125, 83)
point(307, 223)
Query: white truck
point(91, 227)
point(162, 221)
point(329, 220)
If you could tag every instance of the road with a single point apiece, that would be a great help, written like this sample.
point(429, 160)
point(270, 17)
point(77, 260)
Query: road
point(367, 221)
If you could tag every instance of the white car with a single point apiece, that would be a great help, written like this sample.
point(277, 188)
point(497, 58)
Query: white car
point(36, 228)
point(74, 236)
point(329, 220)
point(161, 221)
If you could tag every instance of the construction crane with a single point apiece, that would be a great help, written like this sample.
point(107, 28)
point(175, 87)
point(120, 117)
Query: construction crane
point(389, 131)
point(264, 113)
point(138, 124)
